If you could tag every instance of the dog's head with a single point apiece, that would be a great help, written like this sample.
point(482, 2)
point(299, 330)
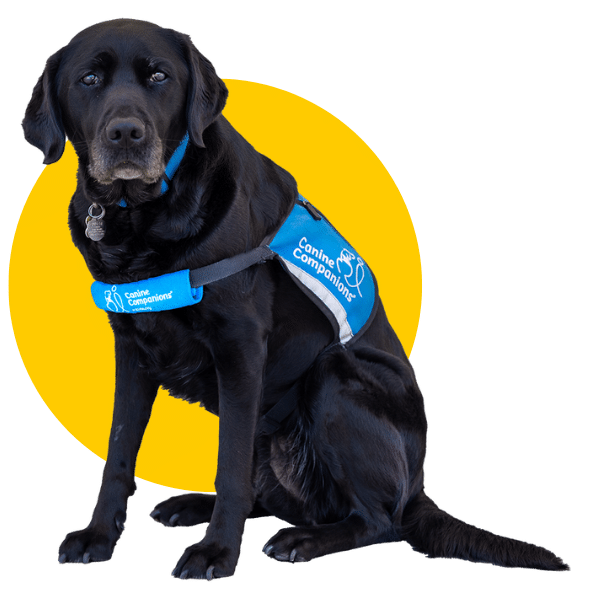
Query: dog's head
point(124, 92)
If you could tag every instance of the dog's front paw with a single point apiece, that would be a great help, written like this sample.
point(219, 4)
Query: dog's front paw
point(206, 561)
point(91, 544)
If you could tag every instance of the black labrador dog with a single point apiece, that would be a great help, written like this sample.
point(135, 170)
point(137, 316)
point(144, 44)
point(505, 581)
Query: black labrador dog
point(345, 467)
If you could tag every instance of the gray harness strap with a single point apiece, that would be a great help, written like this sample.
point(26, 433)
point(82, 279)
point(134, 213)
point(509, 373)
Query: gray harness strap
point(230, 266)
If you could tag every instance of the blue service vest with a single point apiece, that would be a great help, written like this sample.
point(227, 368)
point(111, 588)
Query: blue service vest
point(317, 257)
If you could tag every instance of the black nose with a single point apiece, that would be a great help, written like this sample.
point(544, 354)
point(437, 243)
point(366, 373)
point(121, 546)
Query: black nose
point(125, 132)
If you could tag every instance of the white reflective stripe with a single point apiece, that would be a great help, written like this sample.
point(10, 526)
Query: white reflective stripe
point(334, 305)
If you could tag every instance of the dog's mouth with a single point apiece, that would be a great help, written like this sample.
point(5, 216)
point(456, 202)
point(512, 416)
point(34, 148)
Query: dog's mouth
point(126, 171)
point(129, 170)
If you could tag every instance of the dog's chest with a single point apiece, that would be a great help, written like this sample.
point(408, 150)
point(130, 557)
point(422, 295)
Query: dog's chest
point(131, 248)
point(172, 348)
point(130, 260)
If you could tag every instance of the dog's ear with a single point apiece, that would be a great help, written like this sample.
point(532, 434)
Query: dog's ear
point(206, 94)
point(42, 123)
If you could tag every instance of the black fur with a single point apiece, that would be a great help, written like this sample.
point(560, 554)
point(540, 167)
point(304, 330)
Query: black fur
point(346, 469)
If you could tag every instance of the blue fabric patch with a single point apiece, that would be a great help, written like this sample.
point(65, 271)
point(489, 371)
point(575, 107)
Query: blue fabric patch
point(320, 259)
point(166, 292)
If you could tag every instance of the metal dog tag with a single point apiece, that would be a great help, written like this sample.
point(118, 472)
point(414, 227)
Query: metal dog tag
point(95, 228)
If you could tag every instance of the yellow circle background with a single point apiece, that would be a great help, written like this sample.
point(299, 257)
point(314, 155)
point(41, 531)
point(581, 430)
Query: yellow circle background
point(66, 342)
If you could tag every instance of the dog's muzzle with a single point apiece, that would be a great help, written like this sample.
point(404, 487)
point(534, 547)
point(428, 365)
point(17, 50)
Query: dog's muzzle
point(126, 149)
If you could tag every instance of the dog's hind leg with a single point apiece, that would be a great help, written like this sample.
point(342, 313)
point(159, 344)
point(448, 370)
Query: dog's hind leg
point(354, 460)
point(191, 509)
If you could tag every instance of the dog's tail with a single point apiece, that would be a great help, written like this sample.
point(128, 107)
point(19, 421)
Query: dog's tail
point(437, 534)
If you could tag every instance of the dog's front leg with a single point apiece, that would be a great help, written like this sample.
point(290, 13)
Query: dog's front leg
point(134, 395)
point(240, 366)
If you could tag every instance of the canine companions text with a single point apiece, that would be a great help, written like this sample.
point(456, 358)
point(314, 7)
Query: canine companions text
point(320, 427)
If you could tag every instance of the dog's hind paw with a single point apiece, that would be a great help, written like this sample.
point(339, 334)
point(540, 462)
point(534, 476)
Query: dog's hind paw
point(298, 544)
point(184, 510)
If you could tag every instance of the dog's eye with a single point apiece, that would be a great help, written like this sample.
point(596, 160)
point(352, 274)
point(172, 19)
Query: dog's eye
point(157, 77)
point(90, 79)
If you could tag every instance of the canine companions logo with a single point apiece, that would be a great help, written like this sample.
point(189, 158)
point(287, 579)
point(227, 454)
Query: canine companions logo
point(135, 301)
point(143, 298)
point(329, 269)
point(317, 259)
point(166, 292)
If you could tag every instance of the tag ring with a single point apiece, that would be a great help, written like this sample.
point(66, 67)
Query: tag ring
point(91, 208)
